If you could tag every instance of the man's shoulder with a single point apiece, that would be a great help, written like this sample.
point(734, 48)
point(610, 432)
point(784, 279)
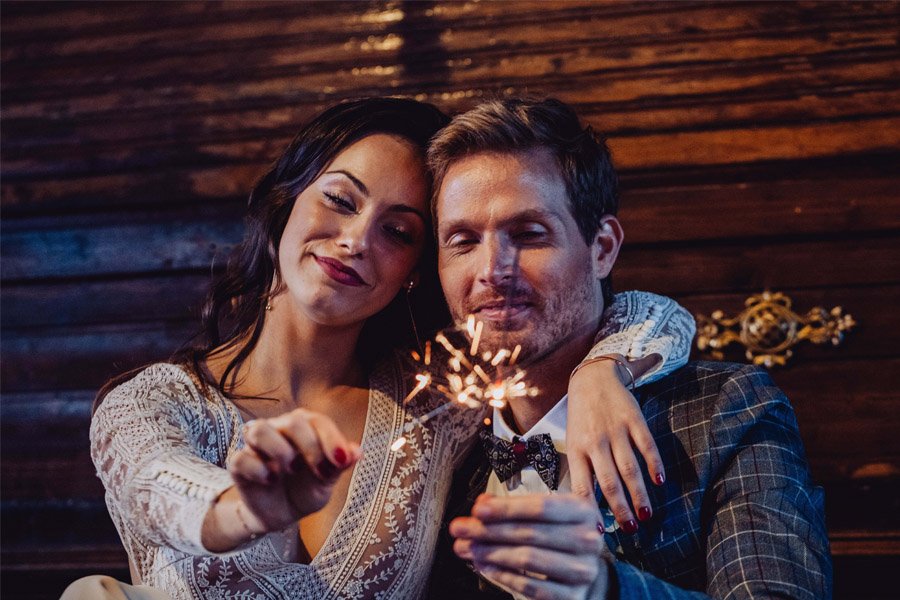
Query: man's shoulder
point(711, 382)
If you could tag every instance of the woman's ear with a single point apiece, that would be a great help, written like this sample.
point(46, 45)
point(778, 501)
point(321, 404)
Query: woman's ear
point(607, 243)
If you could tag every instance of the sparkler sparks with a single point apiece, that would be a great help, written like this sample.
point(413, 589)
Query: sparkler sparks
point(469, 380)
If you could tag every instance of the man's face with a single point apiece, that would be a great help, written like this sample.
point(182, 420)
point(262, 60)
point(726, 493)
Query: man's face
point(510, 252)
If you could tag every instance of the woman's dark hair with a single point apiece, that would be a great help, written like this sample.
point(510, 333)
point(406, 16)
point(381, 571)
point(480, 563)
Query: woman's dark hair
point(235, 308)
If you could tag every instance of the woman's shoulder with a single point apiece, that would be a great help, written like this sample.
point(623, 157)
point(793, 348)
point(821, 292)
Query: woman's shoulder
point(162, 382)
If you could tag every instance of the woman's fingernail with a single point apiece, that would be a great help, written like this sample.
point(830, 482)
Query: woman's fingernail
point(660, 479)
point(600, 527)
point(644, 513)
point(340, 456)
point(630, 527)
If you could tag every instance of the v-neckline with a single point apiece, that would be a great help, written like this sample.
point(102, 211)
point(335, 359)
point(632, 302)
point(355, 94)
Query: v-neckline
point(351, 488)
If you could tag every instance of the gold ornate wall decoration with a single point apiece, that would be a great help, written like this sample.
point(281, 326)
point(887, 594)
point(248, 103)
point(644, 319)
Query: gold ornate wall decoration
point(768, 328)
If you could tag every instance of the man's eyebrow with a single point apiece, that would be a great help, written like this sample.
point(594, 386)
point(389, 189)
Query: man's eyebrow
point(531, 214)
point(359, 184)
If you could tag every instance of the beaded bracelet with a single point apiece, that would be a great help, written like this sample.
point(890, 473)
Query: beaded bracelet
point(619, 362)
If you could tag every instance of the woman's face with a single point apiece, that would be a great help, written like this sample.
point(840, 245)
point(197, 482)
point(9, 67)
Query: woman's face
point(355, 235)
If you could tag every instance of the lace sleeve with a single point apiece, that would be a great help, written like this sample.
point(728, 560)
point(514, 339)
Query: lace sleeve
point(160, 454)
point(639, 324)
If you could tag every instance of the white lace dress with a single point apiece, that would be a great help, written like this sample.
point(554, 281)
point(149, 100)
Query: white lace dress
point(160, 444)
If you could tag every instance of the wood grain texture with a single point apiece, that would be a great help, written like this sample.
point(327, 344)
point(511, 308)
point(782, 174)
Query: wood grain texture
point(757, 144)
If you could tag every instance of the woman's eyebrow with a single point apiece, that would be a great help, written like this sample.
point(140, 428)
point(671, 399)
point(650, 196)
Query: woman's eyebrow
point(405, 208)
point(399, 207)
point(359, 184)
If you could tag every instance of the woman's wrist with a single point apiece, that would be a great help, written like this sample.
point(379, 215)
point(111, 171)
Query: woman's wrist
point(229, 523)
point(607, 367)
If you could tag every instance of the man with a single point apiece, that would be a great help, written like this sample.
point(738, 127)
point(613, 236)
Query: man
point(525, 210)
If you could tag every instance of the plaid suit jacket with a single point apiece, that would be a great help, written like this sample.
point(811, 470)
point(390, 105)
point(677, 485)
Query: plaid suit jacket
point(738, 516)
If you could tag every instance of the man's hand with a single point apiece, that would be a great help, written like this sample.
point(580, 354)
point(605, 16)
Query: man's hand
point(541, 546)
point(604, 426)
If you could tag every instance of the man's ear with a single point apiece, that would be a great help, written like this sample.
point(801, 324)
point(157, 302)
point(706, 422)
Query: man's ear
point(607, 242)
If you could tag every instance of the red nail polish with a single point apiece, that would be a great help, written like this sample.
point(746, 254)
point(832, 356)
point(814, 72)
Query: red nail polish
point(630, 527)
point(600, 527)
point(644, 513)
point(340, 456)
point(660, 479)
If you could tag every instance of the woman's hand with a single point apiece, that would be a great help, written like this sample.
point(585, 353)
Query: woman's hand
point(604, 426)
point(289, 466)
point(286, 470)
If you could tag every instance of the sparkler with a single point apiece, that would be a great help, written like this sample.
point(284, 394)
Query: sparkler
point(466, 378)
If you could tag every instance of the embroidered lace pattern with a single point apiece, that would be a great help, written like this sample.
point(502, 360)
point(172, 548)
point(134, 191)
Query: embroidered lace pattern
point(160, 445)
point(638, 324)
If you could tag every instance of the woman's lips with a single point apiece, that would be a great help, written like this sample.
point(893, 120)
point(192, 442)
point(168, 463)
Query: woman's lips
point(340, 272)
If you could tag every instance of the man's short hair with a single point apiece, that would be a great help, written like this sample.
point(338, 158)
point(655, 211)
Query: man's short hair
point(511, 126)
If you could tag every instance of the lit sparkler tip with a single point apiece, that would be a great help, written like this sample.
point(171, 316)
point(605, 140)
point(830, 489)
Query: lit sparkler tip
point(398, 443)
point(416, 356)
point(428, 352)
point(487, 421)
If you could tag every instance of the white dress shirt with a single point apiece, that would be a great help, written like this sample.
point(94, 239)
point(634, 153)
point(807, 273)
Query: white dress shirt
point(527, 481)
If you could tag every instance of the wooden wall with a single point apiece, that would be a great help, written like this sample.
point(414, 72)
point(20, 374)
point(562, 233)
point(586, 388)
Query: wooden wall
point(758, 145)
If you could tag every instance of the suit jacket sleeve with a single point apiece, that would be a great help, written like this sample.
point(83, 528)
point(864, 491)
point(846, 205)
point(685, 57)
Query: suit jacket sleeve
point(762, 519)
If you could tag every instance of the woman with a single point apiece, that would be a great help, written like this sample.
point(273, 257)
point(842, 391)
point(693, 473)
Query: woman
point(297, 359)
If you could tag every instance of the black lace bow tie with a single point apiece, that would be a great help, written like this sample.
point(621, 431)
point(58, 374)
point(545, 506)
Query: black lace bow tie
point(509, 458)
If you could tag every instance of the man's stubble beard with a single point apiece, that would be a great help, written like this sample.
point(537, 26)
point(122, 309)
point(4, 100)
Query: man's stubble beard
point(561, 318)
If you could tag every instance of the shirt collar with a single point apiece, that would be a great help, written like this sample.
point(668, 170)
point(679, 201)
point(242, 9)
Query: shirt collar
point(554, 423)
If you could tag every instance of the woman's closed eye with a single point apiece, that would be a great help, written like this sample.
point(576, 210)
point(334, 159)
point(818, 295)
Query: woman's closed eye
point(340, 202)
point(400, 233)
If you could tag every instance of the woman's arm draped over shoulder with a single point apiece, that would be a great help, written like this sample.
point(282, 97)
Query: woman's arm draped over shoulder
point(643, 325)
point(652, 334)
point(157, 450)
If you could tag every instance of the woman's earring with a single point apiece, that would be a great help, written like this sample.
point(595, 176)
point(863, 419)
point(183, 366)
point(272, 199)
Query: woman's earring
point(268, 306)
